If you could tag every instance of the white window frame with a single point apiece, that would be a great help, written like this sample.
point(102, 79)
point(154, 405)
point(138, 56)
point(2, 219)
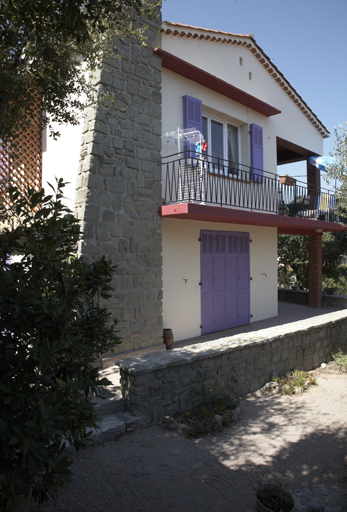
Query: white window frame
point(208, 137)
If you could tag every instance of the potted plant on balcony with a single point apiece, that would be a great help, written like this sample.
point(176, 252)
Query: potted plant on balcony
point(283, 208)
point(287, 180)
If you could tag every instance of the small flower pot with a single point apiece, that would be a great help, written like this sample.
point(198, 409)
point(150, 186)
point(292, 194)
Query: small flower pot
point(287, 180)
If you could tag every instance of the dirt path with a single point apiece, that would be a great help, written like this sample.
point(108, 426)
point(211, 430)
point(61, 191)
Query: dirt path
point(300, 440)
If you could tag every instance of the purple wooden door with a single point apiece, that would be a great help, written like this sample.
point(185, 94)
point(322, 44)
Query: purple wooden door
point(225, 280)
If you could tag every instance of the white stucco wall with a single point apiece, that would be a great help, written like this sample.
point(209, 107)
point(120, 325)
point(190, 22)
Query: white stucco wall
point(215, 105)
point(223, 61)
point(181, 273)
point(61, 160)
point(62, 156)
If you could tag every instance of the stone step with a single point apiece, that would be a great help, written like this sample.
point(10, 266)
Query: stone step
point(109, 400)
point(109, 407)
point(116, 425)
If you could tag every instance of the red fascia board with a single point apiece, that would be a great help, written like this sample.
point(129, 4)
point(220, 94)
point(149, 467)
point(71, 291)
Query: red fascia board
point(283, 223)
point(184, 68)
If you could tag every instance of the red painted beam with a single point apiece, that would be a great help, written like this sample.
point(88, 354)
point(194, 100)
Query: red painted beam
point(198, 75)
point(283, 223)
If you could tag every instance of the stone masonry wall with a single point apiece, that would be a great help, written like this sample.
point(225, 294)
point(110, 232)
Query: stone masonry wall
point(118, 190)
point(301, 297)
point(163, 383)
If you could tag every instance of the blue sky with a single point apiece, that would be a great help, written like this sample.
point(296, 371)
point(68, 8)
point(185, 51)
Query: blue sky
point(306, 39)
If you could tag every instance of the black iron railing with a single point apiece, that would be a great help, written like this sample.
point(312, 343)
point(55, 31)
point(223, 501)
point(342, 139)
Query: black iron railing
point(211, 180)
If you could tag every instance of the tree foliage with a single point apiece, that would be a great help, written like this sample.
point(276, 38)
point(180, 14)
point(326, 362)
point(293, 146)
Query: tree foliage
point(334, 246)
point(293, 252)
point(338, 170)
point(47, 47)
point(52, 327)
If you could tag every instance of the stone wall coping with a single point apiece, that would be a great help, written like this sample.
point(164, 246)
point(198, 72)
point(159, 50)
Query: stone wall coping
point(159, 360)
point(305, 292)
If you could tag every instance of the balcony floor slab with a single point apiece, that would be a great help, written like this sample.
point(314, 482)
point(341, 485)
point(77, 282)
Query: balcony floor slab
point(284, 224)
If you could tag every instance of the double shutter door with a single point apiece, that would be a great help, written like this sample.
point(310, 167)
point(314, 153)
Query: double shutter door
point(225, 280)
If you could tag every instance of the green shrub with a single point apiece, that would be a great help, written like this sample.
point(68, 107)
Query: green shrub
point(285, 276)
point(338, 283)
point(297, 380)
point(52, 327)
point(341, 360)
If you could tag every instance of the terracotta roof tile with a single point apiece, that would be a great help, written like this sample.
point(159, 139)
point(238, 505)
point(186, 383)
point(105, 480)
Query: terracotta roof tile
point(172, 24)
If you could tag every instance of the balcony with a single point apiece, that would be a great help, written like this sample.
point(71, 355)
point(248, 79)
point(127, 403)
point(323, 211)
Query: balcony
point(212, 181)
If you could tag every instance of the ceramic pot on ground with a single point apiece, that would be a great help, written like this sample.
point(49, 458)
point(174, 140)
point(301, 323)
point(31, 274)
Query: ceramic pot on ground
point(168, 338)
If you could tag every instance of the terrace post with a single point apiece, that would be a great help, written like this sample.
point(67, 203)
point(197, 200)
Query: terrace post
point(313, 183)
point(315, 270)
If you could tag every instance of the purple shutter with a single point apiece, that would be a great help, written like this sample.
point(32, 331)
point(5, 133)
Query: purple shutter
point(207, 293)
point(192, 117)
point(256, 153)
point(243, 266)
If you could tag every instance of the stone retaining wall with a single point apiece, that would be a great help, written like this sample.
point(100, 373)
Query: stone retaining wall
point(162, 383)
point(301, 297)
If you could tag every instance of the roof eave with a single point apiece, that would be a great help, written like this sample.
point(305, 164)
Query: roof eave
point(248, 41)
point(198, 75)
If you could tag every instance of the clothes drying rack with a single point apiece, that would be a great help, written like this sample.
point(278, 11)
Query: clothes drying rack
point(183, 139)
point(179, 137)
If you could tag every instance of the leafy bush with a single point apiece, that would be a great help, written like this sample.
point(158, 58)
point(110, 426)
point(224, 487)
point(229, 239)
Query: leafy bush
point(285, 276)
point(338, 283)
point(52, 327)
point(293, 252)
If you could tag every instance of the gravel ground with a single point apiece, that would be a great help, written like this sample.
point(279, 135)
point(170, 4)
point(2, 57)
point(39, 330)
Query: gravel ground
point(300, 440)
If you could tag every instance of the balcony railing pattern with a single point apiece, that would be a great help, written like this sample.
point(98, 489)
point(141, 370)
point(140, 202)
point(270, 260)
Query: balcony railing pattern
point(209, 180)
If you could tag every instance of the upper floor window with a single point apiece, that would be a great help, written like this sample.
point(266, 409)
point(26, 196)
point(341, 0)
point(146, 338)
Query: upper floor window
point(223, 144)
point(223, 141)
